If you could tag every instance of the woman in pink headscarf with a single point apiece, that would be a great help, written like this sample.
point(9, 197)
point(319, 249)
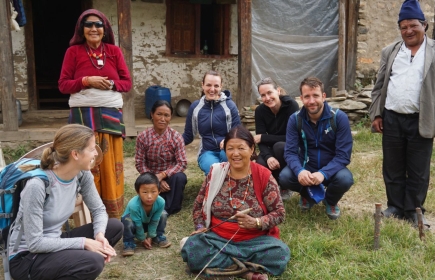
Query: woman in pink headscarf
point(94, 72)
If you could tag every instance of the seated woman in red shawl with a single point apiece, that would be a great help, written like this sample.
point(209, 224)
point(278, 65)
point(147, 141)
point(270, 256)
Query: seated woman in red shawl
point(253, 238)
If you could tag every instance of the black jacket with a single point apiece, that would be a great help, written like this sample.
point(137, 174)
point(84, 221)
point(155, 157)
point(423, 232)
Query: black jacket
point(273, 127)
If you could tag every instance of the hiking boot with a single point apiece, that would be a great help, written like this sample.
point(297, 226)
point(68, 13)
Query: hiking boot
point(128, 249)
point(392, 211)
point(161, 241)
point(333, 211)
point(286, 194)
point(304, 204)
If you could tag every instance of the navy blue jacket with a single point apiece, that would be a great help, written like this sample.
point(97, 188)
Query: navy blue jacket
point(328, 151)
point(212, 120)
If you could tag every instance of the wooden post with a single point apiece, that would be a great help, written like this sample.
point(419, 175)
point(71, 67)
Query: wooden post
point(420, 224)
point(7, 80)
point(245, 53)
point(126, 45)
point(378, 216)
point(342, 45)
point(351, 46)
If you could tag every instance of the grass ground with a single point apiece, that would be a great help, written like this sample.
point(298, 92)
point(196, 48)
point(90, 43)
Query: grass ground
point(320, 248)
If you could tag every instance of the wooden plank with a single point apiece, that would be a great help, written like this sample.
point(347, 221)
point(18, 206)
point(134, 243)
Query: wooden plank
point(244, 90)
point(227, 30)
point(2, 158)
point(32, 93)
point(342, 45)
point(352, 43)
point(28, 135)
point(126, 45)
point(198, 29)
point(7, 80)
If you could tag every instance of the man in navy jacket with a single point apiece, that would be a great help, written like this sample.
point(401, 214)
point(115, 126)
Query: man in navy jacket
point(317, 150)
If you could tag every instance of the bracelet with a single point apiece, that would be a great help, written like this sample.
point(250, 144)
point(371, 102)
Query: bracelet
point(258, 222)
point(199, 226)
point(85, 81)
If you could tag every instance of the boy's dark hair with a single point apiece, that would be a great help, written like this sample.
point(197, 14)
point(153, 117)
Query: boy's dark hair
point(145, 179)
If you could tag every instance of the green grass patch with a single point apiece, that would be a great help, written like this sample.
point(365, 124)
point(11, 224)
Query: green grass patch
point(320, 248)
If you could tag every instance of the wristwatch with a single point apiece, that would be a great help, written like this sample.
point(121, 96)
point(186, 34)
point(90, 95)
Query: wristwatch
point(111, 84)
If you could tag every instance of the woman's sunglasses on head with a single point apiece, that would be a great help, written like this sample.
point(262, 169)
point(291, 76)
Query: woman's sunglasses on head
point(97, 24)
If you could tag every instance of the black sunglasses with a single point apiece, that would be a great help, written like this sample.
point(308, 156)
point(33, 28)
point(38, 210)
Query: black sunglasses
point(97, 24)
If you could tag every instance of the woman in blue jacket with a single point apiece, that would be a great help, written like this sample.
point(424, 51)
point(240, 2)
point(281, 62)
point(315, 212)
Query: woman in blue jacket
point(212, 117)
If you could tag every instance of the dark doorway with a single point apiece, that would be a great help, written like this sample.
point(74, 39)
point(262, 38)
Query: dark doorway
point(53, 26)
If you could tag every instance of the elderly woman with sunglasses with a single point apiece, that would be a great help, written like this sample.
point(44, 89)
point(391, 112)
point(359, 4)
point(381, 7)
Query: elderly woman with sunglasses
point(271, 119)
point(94, 72)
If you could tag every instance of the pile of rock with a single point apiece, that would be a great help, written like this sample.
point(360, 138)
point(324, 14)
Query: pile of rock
point(355, 105)
point(247, 117)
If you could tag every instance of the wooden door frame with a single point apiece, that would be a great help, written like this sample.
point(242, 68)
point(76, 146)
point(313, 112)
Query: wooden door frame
point(32, 92)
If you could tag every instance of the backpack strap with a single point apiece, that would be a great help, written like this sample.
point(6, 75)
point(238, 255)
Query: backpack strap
point(333, 120)
point(303, 136)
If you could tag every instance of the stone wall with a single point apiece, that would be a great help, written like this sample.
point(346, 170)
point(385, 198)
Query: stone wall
point(377, 28)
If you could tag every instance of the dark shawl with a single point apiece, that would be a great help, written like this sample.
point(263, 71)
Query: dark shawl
point(79, 38)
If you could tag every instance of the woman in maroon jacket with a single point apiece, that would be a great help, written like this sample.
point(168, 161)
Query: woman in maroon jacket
point(271, 119)
point(94, 72)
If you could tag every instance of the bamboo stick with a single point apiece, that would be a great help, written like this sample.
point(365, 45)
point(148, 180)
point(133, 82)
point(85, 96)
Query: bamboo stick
point(420, 223)
point(378, 216)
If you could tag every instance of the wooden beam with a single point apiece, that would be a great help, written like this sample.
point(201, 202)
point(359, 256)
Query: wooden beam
point(32, 93)
point(351, 46)
point(7, 80)
point(342, 45)
point(244, 20)
point(126, 45)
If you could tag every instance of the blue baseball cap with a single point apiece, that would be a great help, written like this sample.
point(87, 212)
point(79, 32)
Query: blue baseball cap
point(317, 192)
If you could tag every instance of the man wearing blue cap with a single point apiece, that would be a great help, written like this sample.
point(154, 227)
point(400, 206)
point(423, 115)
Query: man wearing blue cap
point(403, 110)
point(318, 148)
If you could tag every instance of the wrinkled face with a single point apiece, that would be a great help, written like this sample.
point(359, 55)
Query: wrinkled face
point(212, 87)
point(161, 118)
point(148, 193)
point(313, 99)
point(270, 96)
point(87, 156)
point(238, 153)
point(93, 34)
point(412, 32)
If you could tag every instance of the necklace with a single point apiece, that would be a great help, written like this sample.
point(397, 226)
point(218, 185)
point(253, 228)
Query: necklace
point(246, 191)
point(92, 54)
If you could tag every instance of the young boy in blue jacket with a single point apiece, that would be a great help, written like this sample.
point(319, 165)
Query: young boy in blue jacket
point(145, 213)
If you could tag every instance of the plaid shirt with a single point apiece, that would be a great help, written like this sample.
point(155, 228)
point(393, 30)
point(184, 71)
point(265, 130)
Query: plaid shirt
point(157, 153)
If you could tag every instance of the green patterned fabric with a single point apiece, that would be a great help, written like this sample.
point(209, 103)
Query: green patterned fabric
point(268, 251)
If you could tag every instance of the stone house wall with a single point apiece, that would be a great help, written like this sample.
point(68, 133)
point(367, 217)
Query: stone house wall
point(377, 28)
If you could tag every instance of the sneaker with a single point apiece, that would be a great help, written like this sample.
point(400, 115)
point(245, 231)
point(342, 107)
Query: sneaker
point(161, 241)
point(286, 194)
point(128, 249)
point(304, 204)
point(333, 211)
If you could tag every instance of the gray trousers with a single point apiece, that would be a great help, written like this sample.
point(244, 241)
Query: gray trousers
point(66, 264)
